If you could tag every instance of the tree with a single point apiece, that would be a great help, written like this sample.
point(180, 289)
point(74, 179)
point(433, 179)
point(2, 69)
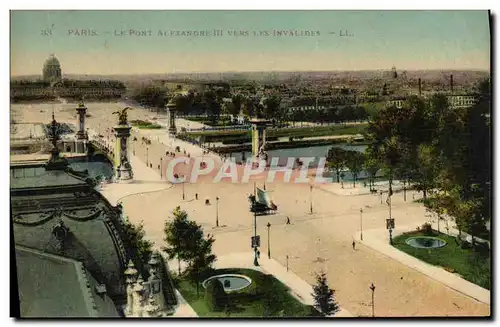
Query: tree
point(175, 236)
point(186, 241)
point(212, 104)
point(354, 161)
point(237, 101)
point(271, 106)
point(249, 106)
point(425, 174)
point(150, 95)
point(199, 256)
point(371, 166)
point(336, 159)
point(324, 300)
point(139, 249)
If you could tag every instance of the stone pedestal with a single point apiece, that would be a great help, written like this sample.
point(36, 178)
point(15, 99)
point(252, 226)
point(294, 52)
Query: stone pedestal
point(123, 169)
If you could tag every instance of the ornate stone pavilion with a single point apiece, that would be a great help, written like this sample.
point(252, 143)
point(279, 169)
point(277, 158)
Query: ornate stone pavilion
point(70, 243)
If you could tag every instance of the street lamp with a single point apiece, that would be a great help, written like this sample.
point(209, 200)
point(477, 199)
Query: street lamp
point(372, 287)
point(161, 167)
point(183, 194)
point(310, 199)
point(361, 221)
point(217, 211)
point(147, 156)
point(389, 202)
point(287, 262)
point(269, 240)
point(255, 260)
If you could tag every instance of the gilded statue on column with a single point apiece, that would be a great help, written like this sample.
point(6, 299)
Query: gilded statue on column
point(122, 115)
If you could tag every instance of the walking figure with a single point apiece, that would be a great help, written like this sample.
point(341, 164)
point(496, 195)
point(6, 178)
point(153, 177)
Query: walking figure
point(288, 220)
point(196, 196)
point(353, 245)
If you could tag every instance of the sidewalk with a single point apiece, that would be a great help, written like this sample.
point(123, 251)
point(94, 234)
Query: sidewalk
point(145, 180)
point(378, 239)
point(298, 287)
point(183, 309)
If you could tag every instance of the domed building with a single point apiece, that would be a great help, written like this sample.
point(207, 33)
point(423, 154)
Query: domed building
point(52, 69)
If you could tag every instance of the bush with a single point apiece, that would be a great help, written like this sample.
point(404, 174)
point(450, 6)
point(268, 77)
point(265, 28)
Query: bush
point(427, 229)
point(215, 296)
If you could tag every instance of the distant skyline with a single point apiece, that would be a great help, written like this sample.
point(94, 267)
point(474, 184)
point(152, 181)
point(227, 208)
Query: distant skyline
point(408, 40)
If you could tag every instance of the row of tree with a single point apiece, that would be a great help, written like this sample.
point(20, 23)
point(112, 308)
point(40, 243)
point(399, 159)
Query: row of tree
point(338, 159)
point(440, 150)
point(213, 101)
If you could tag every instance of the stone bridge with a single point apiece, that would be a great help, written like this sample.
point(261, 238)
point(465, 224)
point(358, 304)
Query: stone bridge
point(101, 147)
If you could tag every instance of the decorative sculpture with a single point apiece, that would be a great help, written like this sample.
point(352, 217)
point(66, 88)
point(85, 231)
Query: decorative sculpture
point(122, 115)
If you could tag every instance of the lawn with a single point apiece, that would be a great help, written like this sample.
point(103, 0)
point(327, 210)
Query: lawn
point(145, 124)
point(471, 264)
point(249, 302)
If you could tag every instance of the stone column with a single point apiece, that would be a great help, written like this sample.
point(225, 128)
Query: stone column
point(258, 134)
point(81, 135)
point(171, 110)
point(138, 298)
point(152, 309)
point(154, 280)
point(123, 169)
point(131, 277)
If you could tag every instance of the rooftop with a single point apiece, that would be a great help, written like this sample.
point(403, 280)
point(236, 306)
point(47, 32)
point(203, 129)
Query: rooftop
point(53, 286)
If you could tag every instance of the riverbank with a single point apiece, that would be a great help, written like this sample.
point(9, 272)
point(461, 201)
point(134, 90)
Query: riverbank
point(278, 145)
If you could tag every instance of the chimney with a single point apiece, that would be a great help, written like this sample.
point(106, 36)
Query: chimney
point(419, 87)
point(451, 83)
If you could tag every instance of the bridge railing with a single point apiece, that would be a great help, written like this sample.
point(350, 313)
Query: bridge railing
point(106, 148)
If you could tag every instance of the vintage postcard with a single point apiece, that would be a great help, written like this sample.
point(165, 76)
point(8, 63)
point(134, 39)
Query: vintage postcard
point(257, 164)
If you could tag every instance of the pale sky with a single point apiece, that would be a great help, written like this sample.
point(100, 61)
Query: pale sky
point(380, 39)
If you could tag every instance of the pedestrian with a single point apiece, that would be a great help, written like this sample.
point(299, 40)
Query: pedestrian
point(287, 220)
point(196, 196)
point(353, 245)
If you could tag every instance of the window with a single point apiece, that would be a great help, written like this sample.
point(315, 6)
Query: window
point(155, 285)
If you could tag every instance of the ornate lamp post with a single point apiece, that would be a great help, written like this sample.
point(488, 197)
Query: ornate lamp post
point(269, 240)
point(217, 211)
point(161, 167)
point(287, 262)
point(372, 288)
point(147, 156)
point(361, 221)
